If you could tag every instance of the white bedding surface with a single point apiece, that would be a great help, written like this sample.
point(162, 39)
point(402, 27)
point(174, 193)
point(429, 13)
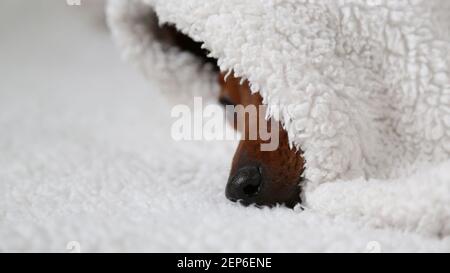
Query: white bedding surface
point(86, 156)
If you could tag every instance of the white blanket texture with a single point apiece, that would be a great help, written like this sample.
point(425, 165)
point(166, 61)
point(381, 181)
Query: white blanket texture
point(86, 158)
point(361, 86)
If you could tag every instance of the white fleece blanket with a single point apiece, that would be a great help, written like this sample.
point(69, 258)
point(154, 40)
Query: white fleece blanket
point(85, 159)
point(362, 87)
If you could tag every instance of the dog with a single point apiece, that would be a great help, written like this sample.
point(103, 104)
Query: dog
point(263, 178)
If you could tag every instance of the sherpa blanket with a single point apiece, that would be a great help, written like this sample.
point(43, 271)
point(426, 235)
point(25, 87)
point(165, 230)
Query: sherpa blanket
point(86, 163)
point(362, 88)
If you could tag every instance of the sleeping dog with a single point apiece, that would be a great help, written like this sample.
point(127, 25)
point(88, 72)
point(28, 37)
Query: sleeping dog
point(263, 178)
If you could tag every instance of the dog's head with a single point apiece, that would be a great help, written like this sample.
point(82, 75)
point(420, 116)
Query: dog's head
point(258, 176)
point(264, 178)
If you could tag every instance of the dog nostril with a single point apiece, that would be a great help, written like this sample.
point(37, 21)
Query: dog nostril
point(253, 184)
point(245, 184)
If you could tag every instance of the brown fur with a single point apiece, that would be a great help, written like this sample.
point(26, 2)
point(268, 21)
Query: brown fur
point(281, 169)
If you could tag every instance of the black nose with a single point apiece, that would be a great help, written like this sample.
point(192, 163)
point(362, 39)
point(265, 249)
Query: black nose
point(245, 185)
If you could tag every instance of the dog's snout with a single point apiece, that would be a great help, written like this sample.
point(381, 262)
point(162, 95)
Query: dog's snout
point(245, 184)
point(259, 176)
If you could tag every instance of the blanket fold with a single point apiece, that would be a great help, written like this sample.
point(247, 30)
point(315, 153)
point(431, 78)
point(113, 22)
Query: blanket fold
point(361, 87)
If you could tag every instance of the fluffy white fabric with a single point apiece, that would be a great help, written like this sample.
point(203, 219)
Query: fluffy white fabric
point(85, 156)
point(362, 87)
